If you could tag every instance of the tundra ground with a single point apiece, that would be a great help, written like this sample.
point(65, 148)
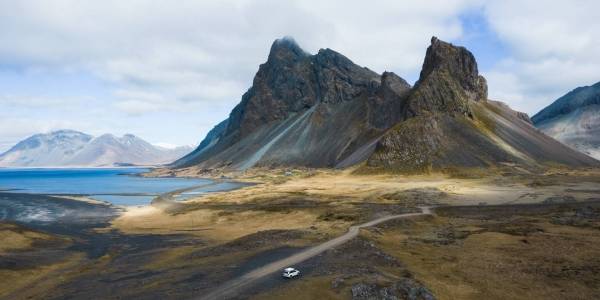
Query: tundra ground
point(495, 236)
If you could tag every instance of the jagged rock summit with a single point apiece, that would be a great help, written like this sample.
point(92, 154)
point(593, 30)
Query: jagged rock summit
point(323, 110)
point(449, 79)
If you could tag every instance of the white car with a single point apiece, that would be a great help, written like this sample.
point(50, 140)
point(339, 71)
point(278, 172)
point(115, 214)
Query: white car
point(290, 273)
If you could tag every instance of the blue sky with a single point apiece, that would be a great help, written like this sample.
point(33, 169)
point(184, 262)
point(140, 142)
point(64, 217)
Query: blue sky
point(169, 71)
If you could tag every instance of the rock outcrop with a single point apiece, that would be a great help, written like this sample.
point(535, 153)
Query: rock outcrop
point(323, 110)
point(405, 288)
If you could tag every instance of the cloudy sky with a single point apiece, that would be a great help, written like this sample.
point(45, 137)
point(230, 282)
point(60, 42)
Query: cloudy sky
point(170, 70)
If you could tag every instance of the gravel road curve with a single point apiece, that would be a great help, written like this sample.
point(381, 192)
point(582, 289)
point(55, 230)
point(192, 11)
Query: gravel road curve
point(230, 289)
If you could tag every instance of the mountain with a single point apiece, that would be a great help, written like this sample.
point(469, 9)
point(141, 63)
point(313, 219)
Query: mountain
point(72, 148)
point(574, 119)
point(213, 136)
point(323, 110)
point(449, 123)
point(303, 109)
point(45, 149)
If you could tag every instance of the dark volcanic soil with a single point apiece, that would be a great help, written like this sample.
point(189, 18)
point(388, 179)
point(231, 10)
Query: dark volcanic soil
point(547, 245)
point(48, 211)
point(77, 224)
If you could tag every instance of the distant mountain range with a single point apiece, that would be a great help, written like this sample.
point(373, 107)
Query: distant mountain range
point(574, 119)
point(72, 148)
point(323, 110)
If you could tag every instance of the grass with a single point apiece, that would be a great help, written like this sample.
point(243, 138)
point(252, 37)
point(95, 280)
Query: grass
point(15, 238)
point(511, 258)
point(486, 252)
point(36, 281)
point(305, 289)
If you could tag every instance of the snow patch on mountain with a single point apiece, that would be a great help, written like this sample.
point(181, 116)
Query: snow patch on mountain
point(72, 148)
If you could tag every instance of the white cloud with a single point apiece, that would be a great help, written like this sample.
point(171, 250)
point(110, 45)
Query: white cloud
point(200, 43)
point(14, 129)
point(553, 45)
point(10, 101)
point(190, 61)
point(187, 63)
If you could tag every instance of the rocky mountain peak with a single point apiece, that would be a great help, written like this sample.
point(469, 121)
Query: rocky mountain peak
point(442, 55)
point(292, 81)
point(65, 132)
point(390, 82)
point(285, 49)
point(448, 82)
point(457, 62)
point(332, 58)
point(323, 110)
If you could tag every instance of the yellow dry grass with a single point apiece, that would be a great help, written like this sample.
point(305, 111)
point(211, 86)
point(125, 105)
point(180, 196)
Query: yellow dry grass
point(306, 289)
point(495, 265)
point(14, 238)
point(344, 185)
point(214, 225)
point(334, 188)
point(38, 280)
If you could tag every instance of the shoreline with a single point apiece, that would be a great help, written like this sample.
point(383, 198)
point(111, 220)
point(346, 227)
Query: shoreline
point(78, 167)
point(28, 215)
point(55, 213)
point(138, 199)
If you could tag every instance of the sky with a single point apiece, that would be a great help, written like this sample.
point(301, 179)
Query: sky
point(168, 71)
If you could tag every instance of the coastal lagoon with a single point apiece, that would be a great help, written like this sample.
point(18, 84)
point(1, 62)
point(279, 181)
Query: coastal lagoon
point(119, 186)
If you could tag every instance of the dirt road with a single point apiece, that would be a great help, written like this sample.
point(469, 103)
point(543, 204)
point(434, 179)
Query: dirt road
point(231, 288)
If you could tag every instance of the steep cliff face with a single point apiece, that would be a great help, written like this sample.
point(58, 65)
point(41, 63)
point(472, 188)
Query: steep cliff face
point(282, 86)
point(574, 119)
point(388, 100)
point(323, 110)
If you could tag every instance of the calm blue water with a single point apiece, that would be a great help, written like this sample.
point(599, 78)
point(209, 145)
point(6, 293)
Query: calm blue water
point(112, 185)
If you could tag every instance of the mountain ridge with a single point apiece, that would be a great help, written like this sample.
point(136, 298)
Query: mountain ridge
point(286, 86)
point(574, 119)
point(323, 110)
point(72, 148)
point(577, 98)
